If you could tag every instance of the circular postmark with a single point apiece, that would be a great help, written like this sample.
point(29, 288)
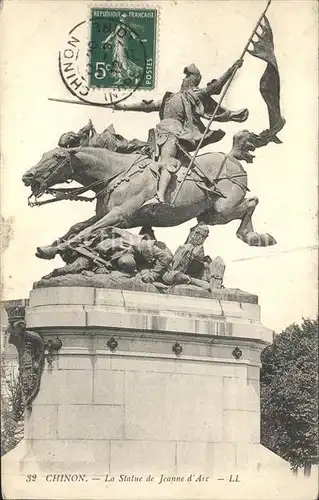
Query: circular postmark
point(105, 60)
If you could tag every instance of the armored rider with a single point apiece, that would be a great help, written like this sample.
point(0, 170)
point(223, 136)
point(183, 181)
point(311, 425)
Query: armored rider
point(180, 114)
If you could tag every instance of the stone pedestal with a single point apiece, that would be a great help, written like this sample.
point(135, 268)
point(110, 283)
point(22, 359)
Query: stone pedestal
point(146, 383)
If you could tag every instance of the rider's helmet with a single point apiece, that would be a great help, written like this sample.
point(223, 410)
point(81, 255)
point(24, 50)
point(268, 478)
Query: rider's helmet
point(193, 76)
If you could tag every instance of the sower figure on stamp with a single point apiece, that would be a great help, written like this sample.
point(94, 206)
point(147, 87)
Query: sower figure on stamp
point(181, 114)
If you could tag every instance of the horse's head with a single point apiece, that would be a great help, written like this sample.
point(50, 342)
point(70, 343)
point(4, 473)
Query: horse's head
point(53, 168)
point(243, 142)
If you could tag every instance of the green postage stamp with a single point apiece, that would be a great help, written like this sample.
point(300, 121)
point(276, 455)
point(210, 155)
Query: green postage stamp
point(123, 48)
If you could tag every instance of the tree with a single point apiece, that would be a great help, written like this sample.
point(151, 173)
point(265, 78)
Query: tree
point(12, 410)
point(289, 395)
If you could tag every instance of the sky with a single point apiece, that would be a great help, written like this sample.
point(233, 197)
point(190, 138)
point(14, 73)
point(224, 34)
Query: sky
point(211, 34)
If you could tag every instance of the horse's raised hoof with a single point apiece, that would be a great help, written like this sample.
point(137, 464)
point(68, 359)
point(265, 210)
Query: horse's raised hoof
point(46, 252)
point(254, 239)
point(268, 239)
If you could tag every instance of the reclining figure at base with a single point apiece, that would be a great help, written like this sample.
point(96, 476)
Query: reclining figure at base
point(117, 253)
point(190, 265)
point(120, 255)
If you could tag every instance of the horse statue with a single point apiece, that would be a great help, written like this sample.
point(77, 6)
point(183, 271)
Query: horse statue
point(125, 186)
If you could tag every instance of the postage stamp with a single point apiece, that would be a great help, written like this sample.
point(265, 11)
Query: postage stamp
point(110, 55)
point(123, 48)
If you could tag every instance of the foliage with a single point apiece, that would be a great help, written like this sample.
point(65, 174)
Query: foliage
point(12, 410)
point(289, 394)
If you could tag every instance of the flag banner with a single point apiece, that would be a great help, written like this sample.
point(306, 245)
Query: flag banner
point(264, 49)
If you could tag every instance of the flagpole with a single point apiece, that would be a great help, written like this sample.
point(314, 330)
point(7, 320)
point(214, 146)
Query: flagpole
point(255, 28)
point(220, 102)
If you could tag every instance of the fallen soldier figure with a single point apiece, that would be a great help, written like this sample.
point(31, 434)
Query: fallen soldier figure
point(87, 136)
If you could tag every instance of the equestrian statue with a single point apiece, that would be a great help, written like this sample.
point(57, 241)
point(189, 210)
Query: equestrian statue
point(167, 180)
